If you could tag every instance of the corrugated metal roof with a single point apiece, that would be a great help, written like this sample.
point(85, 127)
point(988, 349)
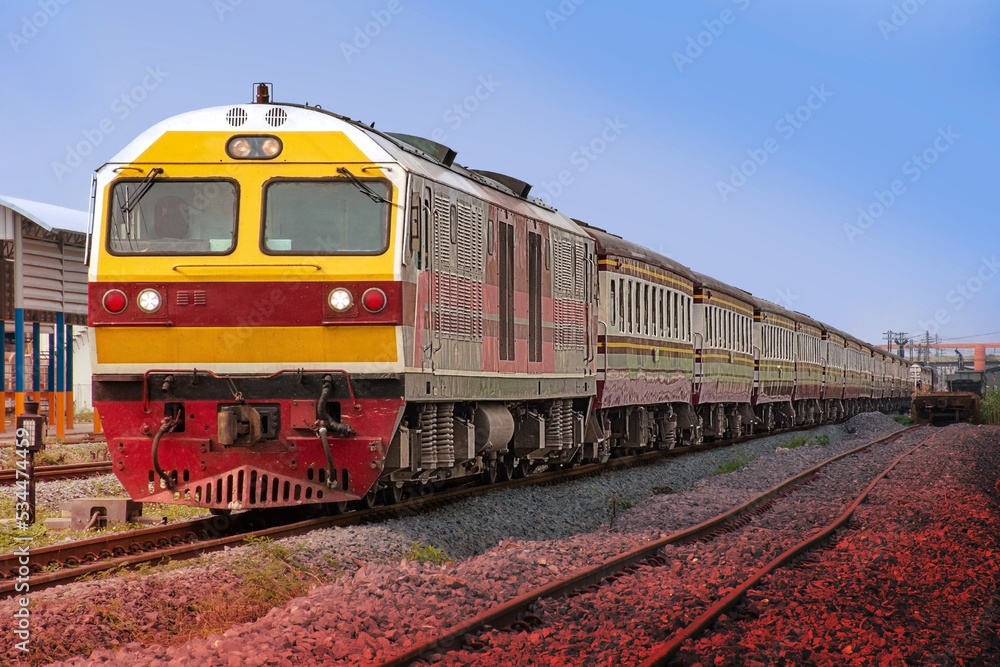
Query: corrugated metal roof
point(48, 216)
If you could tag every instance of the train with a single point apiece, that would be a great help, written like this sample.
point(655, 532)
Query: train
point(290, 307)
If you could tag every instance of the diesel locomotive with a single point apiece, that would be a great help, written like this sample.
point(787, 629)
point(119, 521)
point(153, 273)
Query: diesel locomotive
point(291, 307)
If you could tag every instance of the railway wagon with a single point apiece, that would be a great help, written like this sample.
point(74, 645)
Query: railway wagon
point(291, 307)
point(724, 360)
point(645, 347)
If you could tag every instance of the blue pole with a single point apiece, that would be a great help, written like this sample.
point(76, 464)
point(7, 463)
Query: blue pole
point(36, 359)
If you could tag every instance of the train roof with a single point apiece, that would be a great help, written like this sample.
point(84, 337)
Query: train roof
point(612, 244)
point(418, 156)
point(725, 288)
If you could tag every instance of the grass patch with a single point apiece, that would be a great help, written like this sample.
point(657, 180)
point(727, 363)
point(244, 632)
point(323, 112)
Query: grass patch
point(989, 407)
point(734, 464)
point(427, 554)
point(903, 420)
point(801, 440)
point(58, 454)
point(254, 581)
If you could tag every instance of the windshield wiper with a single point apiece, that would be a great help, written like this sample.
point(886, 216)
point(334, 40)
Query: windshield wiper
point(374, 196)
point(143, 188)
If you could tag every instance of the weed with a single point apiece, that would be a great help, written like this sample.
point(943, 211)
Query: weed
point(903, 420)
point(427, 554)
point(822, 440)
point(734, 464)
point(989, 407)
point(797, 441)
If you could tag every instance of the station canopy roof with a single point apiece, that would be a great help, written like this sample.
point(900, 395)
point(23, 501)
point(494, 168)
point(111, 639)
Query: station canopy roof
point(48, 216)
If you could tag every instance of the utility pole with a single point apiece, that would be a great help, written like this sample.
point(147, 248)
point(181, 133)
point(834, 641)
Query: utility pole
point(927, 347)
point(901, 341)
point(888, 340)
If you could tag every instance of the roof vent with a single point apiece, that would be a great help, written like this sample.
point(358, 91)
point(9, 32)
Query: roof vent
point(517, 186)
point(437, 151)
point(276, 117)
point(236, 116)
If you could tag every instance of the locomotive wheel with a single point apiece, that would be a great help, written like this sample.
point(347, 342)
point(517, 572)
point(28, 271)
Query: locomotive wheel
point(369, 500)
point(521, 470)
point(491, 473)
point(338, 508)
point(393, 494)
point(505, 469)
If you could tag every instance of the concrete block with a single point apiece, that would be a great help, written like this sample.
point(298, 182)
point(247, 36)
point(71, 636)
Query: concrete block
point(114, 511)
point(58, 524)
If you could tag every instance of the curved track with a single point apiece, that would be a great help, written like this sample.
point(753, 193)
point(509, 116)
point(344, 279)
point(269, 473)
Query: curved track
point(69, 561)
point(515, 612)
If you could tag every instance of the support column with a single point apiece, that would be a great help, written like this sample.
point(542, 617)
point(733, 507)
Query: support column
point(18, 362)
point(979, 358)
point(60, 376)
point(3, 377)
point(69, 376)
point(36, 361)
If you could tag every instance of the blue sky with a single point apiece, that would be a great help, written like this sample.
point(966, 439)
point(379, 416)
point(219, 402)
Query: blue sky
point(740, 137)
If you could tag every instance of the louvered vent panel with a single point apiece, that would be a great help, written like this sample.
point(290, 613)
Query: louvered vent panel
point(580, 257)
point(570, 324)
point(442, 232)
point(276, 117)
point(460, 307)
point(562, 259)
point(236, 116)
point(470, 241)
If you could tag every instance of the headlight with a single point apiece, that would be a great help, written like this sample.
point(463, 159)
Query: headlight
point(270, 147)
point(253, 148)
point(341, 300)
point(239, 148)
point(149, 300)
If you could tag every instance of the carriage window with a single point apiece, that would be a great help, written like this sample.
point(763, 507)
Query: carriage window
point(612, 304)
point(621, 304)
point(652, 312)
point(325, 218)
point(172, 218)
point(645, 309)
point(630, 306)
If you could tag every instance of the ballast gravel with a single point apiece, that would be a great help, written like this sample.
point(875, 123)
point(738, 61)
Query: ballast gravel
point(503, 544)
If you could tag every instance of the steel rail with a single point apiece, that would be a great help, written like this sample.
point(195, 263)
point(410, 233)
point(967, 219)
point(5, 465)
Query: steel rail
point(513, 610)
point(661, 655)
point(192, 538)
point(66, 471)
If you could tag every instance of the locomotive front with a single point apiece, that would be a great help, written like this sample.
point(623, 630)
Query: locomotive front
point(246, 307)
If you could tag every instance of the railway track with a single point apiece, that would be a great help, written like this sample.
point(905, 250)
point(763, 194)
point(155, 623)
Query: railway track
point(56, 472)
point(516, 612)
point(65, 562)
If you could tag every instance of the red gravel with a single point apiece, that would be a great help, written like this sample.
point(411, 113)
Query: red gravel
point(915, 580)
point(379, 610)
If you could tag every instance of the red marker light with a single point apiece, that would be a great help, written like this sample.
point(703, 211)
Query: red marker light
point(115, 301)
point(374, 300)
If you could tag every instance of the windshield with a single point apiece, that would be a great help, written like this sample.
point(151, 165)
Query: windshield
point(172, 218)
point(325, 218)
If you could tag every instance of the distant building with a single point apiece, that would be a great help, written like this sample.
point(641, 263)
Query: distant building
point(43, 302)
